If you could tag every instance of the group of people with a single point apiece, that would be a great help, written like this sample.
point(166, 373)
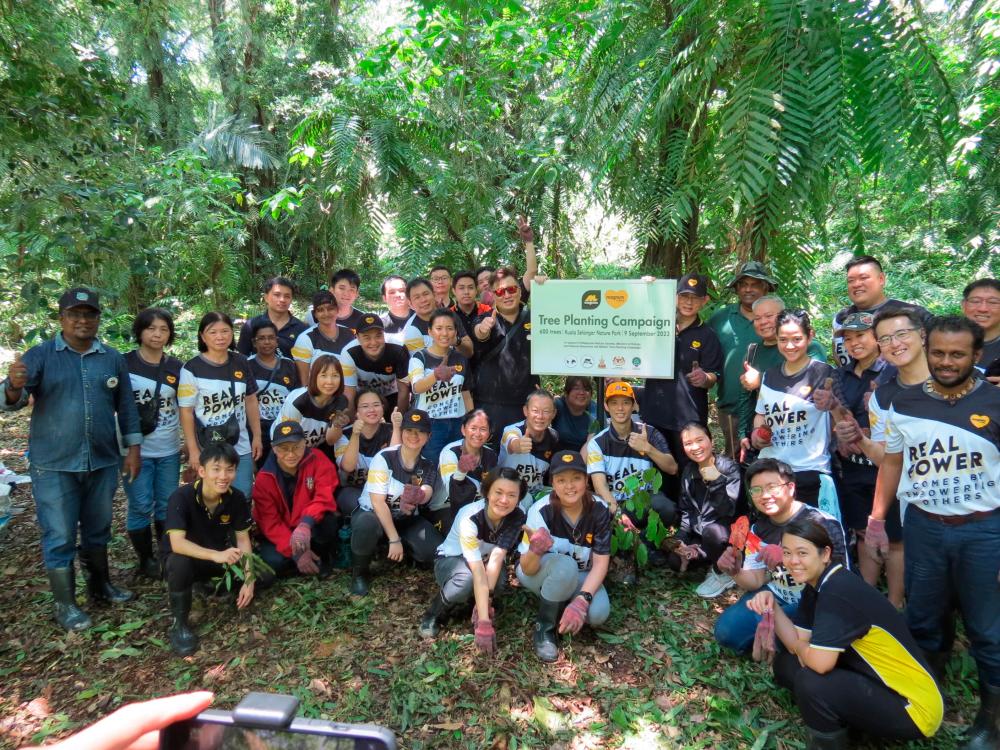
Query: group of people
point(420, 431)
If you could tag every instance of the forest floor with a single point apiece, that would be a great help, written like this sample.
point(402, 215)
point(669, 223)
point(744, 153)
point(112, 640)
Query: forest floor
point(654, 679)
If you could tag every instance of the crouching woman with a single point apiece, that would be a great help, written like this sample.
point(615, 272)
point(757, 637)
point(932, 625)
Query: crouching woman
point(470, 561)
point(565, 552)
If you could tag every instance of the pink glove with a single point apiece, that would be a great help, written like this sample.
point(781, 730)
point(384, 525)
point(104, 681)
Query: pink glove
point(626, 522)
point(729, 562)
point(876, 540)
point(771, 556)
point(301, 538)
point(307, 563)
point(414, 494)
point(486, 636)
point(574, 616)
point(467, 462)
point(443, 372)
point(540, 542)
point(823, 398)
point(764, 647)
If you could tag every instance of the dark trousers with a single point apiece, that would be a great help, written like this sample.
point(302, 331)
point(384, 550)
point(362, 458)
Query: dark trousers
point(324, 540)
point(183, 571)
point(672, 482)
point(347, 500)
point(807, 488)
point(954, 567)
point(501, 415)
point(714, 539)
point(419, 537)
point(842, 698)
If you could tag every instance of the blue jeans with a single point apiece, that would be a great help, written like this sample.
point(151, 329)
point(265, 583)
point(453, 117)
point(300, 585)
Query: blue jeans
point(148, 494)
point(443, 431)
point(954, 567)
point(244, 475)
point(67, 500)
point(736, 627)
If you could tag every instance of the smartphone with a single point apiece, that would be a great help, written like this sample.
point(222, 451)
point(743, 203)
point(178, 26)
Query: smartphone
point(264, 721)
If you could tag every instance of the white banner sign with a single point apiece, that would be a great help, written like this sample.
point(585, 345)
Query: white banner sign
point(603, 328)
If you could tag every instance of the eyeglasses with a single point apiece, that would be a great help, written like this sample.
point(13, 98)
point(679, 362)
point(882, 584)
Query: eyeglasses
point(82, 314)
point(768, 490)
point(902, 335)
point(987, 301)
point(506, 291)
point(441, 277)
point(541, 412)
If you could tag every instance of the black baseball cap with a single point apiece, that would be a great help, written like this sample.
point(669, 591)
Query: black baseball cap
point(79, 296)
point(693, 283)
point(416, 419)
point(370, 323)
point(567, 461)
point(288, 431)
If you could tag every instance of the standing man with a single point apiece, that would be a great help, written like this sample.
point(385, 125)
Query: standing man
point(866, 289)
point(733, 324)
point(467, 307)
point(394, 319)
point(441, 284)
point(82, 393)
point(942, 460)
point(278, 293)
point(668, 405)
point(981, 303)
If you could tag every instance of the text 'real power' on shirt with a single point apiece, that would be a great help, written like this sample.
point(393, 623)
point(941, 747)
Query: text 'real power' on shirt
point(379, 374)
point(533, 466)
point(165, 439)
point(216, 392)
point(473, 537)
point(800, 433)
point(387, 475)
point(591, 535)
point(951, 453)
point(845, 615)
point(444, 400)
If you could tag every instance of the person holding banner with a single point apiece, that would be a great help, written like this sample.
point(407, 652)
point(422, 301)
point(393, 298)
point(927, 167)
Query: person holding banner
point(669, 404)
point(503, 379)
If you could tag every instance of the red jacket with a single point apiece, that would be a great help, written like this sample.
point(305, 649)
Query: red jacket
point(315, 483)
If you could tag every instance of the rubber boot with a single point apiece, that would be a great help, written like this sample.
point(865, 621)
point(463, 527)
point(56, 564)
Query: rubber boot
point(183, 640)
point(159, 529)
point(938, 661)
point(430, 624)
point(984, 733)
point(838, 740)
point(546, 639)
point(361, 575)
point(142, 542)
point(68, 615)
point(99, 586)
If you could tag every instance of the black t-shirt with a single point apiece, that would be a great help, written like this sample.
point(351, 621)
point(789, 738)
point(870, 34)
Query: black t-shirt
point(379, 374)
point(850, 390)
point(273, 386)
point(217, 530)
point(503, 376)
point(352, 320)
point(313, 343)
point(394, 326)
point(473, 536)
point(670, 404)
point(286, 334)
point(534, 466)
point(990, 358)
point(367, 450)
point(591, 535)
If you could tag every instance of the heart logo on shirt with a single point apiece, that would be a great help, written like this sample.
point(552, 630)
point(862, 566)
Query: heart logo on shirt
point(458, 368)
point(616, 297)
point(171, 379)
point(238, 374)
point(979, 420)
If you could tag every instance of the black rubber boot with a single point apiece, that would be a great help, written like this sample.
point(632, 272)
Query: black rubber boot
point(361, 575)
point(430, 624)
point(546, 639)
point(838, 740)
point(183, 639)
point(142, 542)
point(938, 661)
point(159, 529)
point(984, 733)
point(99, 586)
point(68, 615)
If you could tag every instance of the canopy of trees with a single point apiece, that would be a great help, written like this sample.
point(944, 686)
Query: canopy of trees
point(176, 149)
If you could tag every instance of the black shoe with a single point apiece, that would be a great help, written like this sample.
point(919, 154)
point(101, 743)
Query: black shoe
point(361, 575)
point(99, 586)
point(142, 542)
point(68, 615)
point(430, 624)
point(984, 733)
point(183, 640)
point(838, 740)
point(545, 638)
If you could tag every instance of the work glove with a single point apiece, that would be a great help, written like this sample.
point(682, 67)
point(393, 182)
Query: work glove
point(574, 616)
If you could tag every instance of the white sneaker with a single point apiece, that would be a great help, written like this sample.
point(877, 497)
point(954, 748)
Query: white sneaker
point(714, 584)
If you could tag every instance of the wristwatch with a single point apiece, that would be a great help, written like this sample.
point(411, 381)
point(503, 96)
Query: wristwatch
point(587, 596)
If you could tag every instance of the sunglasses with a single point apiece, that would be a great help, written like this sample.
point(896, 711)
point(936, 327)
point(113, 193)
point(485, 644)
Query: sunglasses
point(506, 291)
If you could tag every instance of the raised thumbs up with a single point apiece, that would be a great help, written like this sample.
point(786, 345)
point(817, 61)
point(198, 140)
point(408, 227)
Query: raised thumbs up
point(823, 397)
point(17, 373)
